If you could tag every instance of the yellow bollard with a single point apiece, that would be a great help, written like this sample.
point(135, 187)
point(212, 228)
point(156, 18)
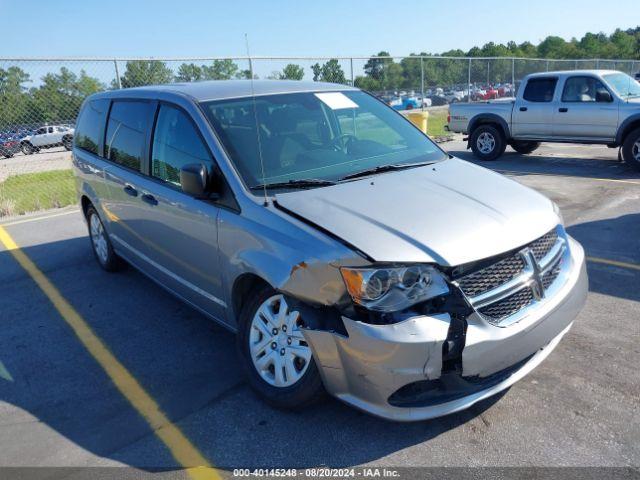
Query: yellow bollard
point(419, 119)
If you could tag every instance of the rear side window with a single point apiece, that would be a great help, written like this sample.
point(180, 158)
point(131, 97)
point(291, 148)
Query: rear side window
point(540, 89)
point(175, 143)
point(127, 130)
point(90, 126)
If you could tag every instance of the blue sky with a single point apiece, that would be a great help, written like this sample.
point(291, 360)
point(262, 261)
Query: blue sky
point(322, 27)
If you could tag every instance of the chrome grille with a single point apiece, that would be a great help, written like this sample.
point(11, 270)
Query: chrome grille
point(544, 244)
point(502, 289)
point(509, 305)
point(492, 276)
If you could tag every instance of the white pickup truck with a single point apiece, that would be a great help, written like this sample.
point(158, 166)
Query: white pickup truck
point(47, 137)
point(581, 106)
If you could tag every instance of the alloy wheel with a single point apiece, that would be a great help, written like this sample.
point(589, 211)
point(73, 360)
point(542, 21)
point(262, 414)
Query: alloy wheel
point(99, 239)
point(486, 143)
point(278, 349)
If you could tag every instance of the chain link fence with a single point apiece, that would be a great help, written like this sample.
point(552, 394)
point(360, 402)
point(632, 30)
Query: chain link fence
point(40, 99)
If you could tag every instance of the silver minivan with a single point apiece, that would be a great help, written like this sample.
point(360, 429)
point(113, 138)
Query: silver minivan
point(348, 251)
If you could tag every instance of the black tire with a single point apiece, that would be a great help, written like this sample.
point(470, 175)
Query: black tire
point(108, 260)
point(487, 133)
point(525, 148)
point(631, 149)
point(306, 391)
point(27, 148)
point(67, 142)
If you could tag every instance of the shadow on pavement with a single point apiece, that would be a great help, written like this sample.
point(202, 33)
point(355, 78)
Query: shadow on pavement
point(185, 361)
point(614, 239)
point(603, 166)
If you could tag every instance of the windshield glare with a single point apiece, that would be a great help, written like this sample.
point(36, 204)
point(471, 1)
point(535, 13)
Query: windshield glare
point(324, 135)
point(623, 84)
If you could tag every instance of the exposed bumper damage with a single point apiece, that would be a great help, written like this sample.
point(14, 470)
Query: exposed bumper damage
point(396, 371)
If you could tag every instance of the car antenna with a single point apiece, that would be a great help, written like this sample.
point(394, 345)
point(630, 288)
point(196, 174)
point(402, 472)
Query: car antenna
point(255, 115)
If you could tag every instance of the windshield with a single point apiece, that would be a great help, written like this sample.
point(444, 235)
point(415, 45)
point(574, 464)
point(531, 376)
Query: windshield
point(319, 136)
point(623, 84)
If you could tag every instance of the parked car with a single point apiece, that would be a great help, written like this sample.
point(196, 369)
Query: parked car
point(452, 96)
point(582, 106)
point(405, 103)
point(344, 247)
point(9, 146)
point(48, 136)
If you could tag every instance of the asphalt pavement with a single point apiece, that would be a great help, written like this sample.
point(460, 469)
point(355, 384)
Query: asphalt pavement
point(58, 407)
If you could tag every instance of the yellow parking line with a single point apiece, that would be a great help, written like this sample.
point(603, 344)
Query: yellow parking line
point(615, 263)
point(615, 180)
point(35, 219)
point(185, 453)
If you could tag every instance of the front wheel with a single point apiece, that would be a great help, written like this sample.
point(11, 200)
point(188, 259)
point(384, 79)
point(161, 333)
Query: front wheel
point(631, 149)
point(525, 147)
point(278, 360)
point(487, 143)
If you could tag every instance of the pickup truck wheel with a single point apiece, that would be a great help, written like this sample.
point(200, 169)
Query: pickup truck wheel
point(27, 148)
point(525, 147)
point(278, 360)
point(67, 142)
point(631, 149)
point(100, 243)
point(487, 143)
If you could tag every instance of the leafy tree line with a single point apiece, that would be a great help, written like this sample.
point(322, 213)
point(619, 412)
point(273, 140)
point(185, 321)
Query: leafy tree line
point(58, 96)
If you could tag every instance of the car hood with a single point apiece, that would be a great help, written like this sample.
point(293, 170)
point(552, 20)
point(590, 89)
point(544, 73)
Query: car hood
point(450, 213)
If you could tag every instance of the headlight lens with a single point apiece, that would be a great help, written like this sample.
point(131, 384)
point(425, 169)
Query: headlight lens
point(391, 289)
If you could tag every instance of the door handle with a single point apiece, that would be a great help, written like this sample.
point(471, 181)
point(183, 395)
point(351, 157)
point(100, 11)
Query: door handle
point(523, 109)
point(563, 110)
point(129, 190)
point(150, 199)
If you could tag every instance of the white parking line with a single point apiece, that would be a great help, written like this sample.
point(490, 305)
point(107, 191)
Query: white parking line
point(42, 217)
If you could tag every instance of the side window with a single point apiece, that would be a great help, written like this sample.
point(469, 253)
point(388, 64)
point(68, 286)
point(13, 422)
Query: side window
point(50, 129)
point(175, 143)
point(540, 89)
point(582, 89)
point(127, 133)
point(90, 127)
point(41, 131)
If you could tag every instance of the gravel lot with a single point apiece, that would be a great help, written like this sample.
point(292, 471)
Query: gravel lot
point(51, 159)
point(58, 408)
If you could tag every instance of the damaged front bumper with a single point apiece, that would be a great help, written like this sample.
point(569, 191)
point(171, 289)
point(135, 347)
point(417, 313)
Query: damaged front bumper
point(396, 371)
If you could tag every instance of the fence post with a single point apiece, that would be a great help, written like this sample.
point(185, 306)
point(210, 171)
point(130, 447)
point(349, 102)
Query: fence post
point(469, 83)
point(353, 82)
point(115, 64)
point(513, 75)
point(597, 63)
point(422, 80)
point(488, 71)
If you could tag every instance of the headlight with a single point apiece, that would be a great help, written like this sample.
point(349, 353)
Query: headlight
point(556, 209)
point(394, 288)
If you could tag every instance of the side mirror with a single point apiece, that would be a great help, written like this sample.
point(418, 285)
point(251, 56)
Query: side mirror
point(194, 179)
point(603, 96)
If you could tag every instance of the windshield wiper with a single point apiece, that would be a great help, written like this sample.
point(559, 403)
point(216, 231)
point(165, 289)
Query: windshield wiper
point(384, 168)
point(297, 183)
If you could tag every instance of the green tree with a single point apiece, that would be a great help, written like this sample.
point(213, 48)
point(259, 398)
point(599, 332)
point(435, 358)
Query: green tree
point(220, 70)
point(292, 72)
point(189, 72)
point(145, 72)
point(330, 71)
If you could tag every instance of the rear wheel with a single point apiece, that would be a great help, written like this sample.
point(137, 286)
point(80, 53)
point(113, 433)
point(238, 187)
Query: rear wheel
point(279, 362)
point(487, 142)
point(631, 149)
point(525, 147)
point(100, 243)
point(27, 148)
point(67, 142)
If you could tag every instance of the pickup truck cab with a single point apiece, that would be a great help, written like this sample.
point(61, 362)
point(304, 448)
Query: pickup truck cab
point(581, 106)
